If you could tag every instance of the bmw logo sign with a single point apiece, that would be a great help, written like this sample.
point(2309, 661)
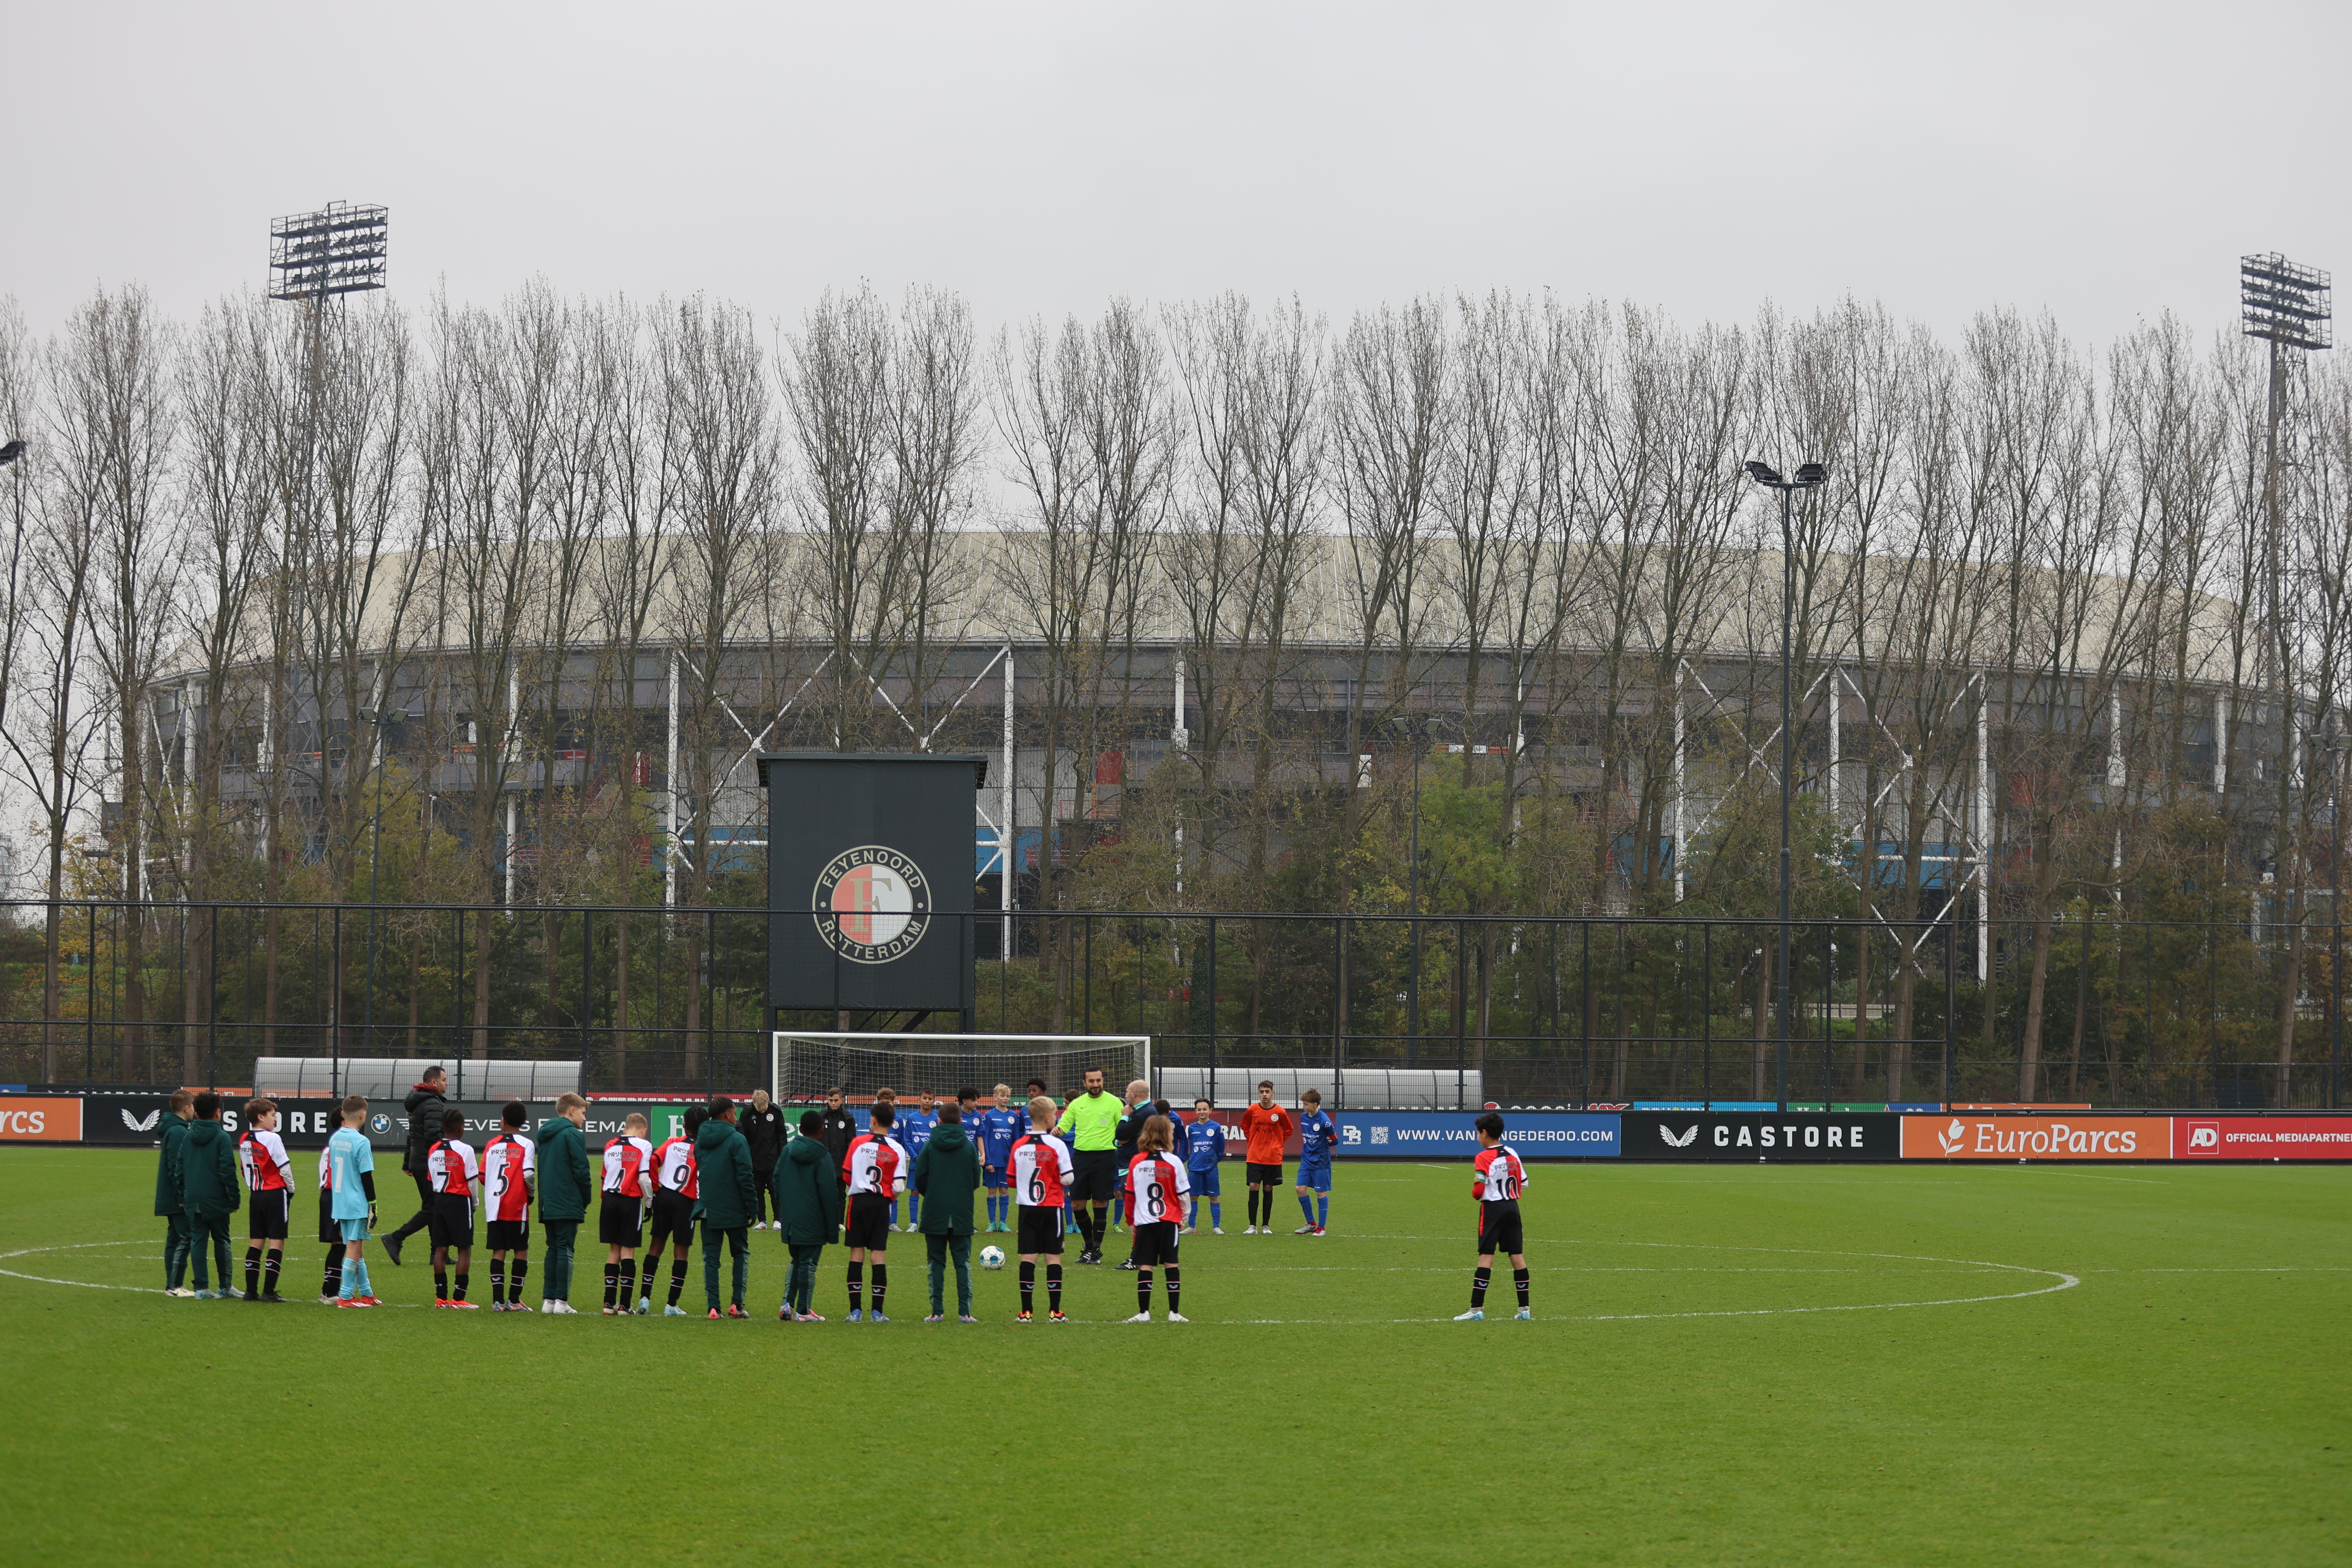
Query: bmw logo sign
point(379, 1122)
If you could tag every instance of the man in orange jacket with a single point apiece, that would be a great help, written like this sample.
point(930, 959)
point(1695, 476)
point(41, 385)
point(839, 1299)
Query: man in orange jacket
point(1268, 1128)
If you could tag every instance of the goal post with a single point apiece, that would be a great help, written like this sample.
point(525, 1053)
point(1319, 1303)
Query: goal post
point(805, 1065)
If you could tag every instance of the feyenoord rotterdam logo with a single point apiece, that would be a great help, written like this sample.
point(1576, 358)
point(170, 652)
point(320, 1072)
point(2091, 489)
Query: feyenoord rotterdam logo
point(872, 904)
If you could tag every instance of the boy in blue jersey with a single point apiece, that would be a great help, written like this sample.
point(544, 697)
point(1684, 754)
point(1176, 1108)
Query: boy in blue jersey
point(1204, 1145)
point(1318, 1135)
point(993, 1129)
point(351, 1164)
point(915, 1128)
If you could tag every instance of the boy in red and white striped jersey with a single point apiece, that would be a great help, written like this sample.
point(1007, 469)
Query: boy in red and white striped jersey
point(875, 1174)
point(1496, 1180)
point(451, 1169)
point(621, 1219)
point(677, 1194)
point(1044, 1175)
point(1157, 1193)
point(510, 1181)
point(269, 1177)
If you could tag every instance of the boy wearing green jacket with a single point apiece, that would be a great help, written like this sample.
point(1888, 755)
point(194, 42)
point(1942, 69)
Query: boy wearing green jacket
point(730, 1195)
point(172, 1191)
point(563, 1188)
point(947, 1174)
point(808, 1212)
point(211, 1192)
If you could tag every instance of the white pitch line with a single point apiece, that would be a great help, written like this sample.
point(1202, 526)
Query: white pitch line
point(84, 1284)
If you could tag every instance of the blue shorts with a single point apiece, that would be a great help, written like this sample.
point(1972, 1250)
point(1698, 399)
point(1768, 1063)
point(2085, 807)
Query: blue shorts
point(1204, 1183)
point(354, 1229)
point(996, 1176)
point(1317, 1176)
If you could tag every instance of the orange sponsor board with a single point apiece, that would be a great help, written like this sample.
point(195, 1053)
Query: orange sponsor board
point(1967, 1137)
point(26, 1120)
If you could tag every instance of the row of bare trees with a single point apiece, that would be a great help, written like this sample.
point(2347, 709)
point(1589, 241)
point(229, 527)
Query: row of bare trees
point(519, 591)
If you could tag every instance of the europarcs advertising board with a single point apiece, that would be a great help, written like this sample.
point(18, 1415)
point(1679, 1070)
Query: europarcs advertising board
point(869, 878)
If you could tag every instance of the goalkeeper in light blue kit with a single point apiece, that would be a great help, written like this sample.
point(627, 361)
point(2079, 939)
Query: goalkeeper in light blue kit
point(1204, 1145)
point(1317, 1134)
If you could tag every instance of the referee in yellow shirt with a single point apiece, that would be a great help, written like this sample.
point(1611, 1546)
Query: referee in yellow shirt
point(1091, 1124)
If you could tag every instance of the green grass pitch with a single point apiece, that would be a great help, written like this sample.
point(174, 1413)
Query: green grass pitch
point(1910, 1365)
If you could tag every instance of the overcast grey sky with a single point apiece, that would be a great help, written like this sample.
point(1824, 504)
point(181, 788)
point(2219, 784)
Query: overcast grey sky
point(2107, 162)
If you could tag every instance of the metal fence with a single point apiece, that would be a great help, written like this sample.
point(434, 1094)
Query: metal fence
point(1566, 1010)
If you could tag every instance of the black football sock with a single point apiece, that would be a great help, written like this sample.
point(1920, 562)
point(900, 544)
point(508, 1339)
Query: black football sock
point(1253, 1205)
point(331, 1282)
point(462, 1277)
point(1175, 1288)
point(881, 1283)
point(1519, 1278)
point(271, 1261)
point(1028, 1286)
point(628, 1281)
point(612, 1282)
point(646, 1284)
point(1478, 1278)
point(253, 1270)
point(497, 1282)
point(1143, 1291)
point(1053, 1287)
point(856, 1284)
point(677, 1278)
point(514, 1277)
point(440, 1284)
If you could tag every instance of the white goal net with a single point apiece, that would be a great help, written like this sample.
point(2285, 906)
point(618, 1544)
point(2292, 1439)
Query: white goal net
point(807, 1067)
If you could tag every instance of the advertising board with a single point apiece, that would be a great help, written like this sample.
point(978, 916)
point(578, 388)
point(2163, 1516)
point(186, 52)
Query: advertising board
point(1981, 1137)
point(2261, 1138)
point(39, 1118)
point(1453, 1135)
point(1752, 1135)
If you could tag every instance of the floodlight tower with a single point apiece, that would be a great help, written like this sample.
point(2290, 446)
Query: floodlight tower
point(2288, 307)
point(318, 259)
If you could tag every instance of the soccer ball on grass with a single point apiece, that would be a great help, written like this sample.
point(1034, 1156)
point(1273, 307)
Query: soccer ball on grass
point(992, 1257)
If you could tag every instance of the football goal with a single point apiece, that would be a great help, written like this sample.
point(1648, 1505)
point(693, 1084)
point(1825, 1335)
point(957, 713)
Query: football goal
point(806, 1065)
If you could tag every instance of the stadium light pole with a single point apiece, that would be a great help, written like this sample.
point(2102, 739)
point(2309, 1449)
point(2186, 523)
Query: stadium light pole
point(1418, 739)
point(382, 720)
point(1808, 476)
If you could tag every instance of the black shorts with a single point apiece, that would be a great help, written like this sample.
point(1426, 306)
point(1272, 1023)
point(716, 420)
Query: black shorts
point(330, 1229)
point(674, 1216)
point(621, 1222)
point(1040, 1231)
point(1498, 1228)
point(266, 1216)
point(452, 1219)
point(1097, 1176)
point(1262, 1175)
point(870, 1222)
point(508, 1235)
point(1155, 1243)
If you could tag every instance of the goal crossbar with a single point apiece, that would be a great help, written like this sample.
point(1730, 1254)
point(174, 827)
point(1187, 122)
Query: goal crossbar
point(805, 1064)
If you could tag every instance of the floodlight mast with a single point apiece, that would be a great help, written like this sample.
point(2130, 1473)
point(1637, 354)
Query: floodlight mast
point(2291, 308)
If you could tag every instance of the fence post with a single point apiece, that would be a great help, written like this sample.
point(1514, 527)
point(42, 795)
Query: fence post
point(212, 994)
point(1213, 994)
point(1460, 1005)
point(587, 984)
point(1338, 1007)
point(335, 1003)
point(1706, 1011)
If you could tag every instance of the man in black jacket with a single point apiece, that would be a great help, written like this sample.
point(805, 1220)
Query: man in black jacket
point(839, 1131)
point(763, 1129)
point(424, 1105)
